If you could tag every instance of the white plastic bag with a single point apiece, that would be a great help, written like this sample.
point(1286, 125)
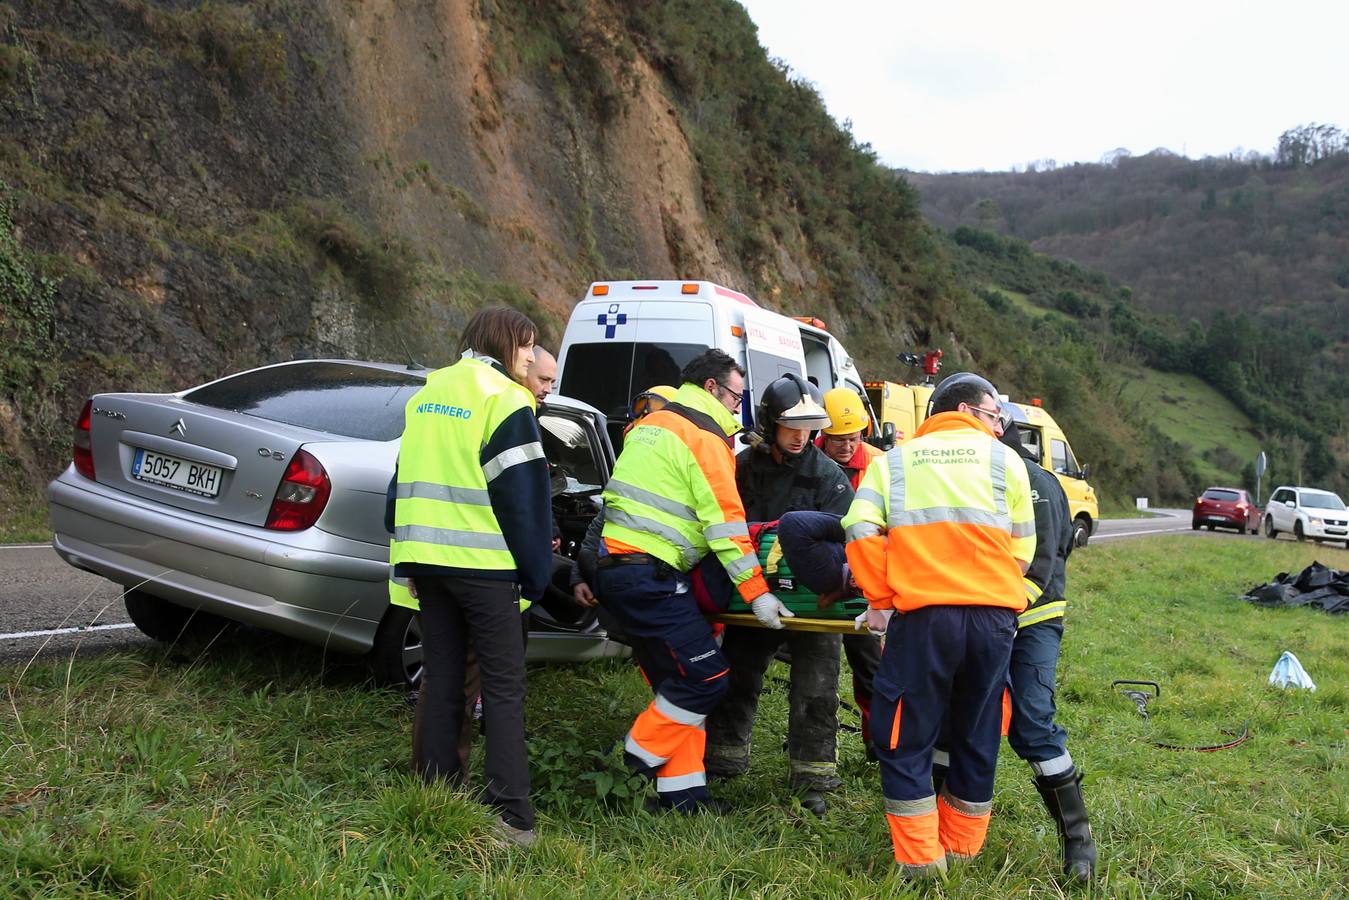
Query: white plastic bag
point(1288, 672)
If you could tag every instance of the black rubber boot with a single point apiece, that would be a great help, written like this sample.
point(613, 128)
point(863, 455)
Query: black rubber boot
point(1063, 796)
point(814, 801)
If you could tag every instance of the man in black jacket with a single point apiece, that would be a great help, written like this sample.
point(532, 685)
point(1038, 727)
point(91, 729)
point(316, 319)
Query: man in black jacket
point(785, 473)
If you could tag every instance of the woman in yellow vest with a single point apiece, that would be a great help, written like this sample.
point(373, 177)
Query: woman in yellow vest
point(472, 533)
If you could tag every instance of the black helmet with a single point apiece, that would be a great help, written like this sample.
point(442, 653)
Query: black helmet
point(791, 401)
point(953, 388)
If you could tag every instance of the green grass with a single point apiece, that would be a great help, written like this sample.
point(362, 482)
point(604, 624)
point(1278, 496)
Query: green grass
point(1189, 411)
point(1118, 510)
point(25, 523)
point(1019, 300)
point(256, 768)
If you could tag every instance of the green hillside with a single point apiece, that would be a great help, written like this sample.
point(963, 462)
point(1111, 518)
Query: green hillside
point(1219, 437)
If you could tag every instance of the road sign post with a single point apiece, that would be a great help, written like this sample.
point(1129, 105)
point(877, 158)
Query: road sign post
point(1261, 462)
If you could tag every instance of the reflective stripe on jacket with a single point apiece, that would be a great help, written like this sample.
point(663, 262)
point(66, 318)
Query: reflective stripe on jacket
point(468, 432)
point(673, 492)
point(943, 519)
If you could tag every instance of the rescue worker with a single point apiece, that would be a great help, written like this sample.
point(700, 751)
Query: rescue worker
point(941, 532)
point(842, 441)
point(785, 473)
point(1033, 734)
point(471, 536)
point(672, 500)
point(541, 376)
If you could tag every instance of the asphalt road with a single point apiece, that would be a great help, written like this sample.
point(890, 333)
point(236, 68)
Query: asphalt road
point(51, 609)
point(1165, 521)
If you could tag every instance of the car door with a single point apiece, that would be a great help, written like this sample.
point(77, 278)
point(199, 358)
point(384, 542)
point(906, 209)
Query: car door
point(580, 461)
point(1280, 514)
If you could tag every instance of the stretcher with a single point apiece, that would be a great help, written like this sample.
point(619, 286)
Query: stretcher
point(796, 623)
point(793, 592)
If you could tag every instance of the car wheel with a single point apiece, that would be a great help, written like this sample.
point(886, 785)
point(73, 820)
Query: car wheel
point(1297, 531)
point(1209, 527)
point(1270, 531)
point(164, 621)
point(1194, 525)
point(1081, 531)
point(396, 658)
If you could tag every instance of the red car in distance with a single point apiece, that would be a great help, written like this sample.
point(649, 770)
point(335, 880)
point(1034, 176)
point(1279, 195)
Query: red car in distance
point(1223, 507)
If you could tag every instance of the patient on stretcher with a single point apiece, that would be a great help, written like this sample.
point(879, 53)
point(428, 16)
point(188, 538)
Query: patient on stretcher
point(804, 562)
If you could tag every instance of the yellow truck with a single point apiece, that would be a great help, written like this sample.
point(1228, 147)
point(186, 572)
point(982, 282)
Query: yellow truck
point(905, 406)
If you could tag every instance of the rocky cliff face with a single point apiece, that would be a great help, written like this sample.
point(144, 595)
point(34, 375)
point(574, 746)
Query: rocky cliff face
point(207, 186)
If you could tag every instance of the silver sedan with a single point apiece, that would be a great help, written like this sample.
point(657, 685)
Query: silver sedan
point(260, 498)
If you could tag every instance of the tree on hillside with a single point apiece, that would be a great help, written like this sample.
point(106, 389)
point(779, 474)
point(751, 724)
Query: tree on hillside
point(1307, 145)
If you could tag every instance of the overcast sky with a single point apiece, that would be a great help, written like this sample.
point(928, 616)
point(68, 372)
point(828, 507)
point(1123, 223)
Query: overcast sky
point(957, 86)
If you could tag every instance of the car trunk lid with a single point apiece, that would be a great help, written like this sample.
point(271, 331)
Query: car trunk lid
point(222, 449)
point(209, 461)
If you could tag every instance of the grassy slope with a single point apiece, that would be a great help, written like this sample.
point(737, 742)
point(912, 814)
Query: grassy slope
point(254, 768)
point(1191, 412)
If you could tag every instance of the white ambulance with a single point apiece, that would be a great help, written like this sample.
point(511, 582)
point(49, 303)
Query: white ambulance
point(625, 337)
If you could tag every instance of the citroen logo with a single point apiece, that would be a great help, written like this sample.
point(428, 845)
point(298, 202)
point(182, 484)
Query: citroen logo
point(179, 427)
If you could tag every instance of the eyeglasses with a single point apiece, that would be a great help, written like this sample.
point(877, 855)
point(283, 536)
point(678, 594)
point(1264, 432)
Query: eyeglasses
point(732, 393)
point(993, 414)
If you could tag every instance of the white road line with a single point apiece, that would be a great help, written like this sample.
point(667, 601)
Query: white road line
point(18, 635)
point(47, 546)
point(1118, 534)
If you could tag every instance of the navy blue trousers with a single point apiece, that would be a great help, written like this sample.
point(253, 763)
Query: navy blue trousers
point(671, 640)
point(1034, 735)
point(685, 667)
point(941, 663)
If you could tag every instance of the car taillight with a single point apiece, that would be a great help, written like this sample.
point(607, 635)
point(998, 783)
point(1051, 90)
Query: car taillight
point(301, 496)
point(82, 449)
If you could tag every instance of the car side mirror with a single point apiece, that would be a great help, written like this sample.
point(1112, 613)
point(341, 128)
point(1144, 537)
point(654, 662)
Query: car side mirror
point(1085, 472)
point(1290, 503)
point(887, 436)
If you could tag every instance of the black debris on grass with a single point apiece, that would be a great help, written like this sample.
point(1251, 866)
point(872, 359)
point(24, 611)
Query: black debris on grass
point(1316, 586)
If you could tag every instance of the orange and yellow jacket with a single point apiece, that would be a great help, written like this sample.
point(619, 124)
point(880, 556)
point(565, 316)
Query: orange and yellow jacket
point(673, 493)
point(945, 518)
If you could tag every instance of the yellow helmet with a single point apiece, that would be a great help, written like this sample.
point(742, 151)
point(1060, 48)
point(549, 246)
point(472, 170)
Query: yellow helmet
point(847, 412)
point(651, 399)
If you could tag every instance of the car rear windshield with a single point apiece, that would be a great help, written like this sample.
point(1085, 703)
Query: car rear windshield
point(1220, 494)
point(609, 375)
point(1321, 500)
point(338, 398)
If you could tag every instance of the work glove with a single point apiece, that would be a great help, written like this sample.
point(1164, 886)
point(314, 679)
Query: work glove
point(874, 620)
point(768, 609)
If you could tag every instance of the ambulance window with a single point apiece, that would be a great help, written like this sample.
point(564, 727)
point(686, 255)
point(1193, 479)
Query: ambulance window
point(1062, 458)
point(764, 369)
point(608, 375)
point(1030, 439)
point(819, 368)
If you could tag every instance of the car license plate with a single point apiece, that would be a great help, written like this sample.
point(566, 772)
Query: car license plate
point(181, 474)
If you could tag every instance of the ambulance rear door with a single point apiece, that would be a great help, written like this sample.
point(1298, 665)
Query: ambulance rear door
point(772, 349)
point(613, 351)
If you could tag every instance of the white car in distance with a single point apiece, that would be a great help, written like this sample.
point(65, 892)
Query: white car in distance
point(1307, 513)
